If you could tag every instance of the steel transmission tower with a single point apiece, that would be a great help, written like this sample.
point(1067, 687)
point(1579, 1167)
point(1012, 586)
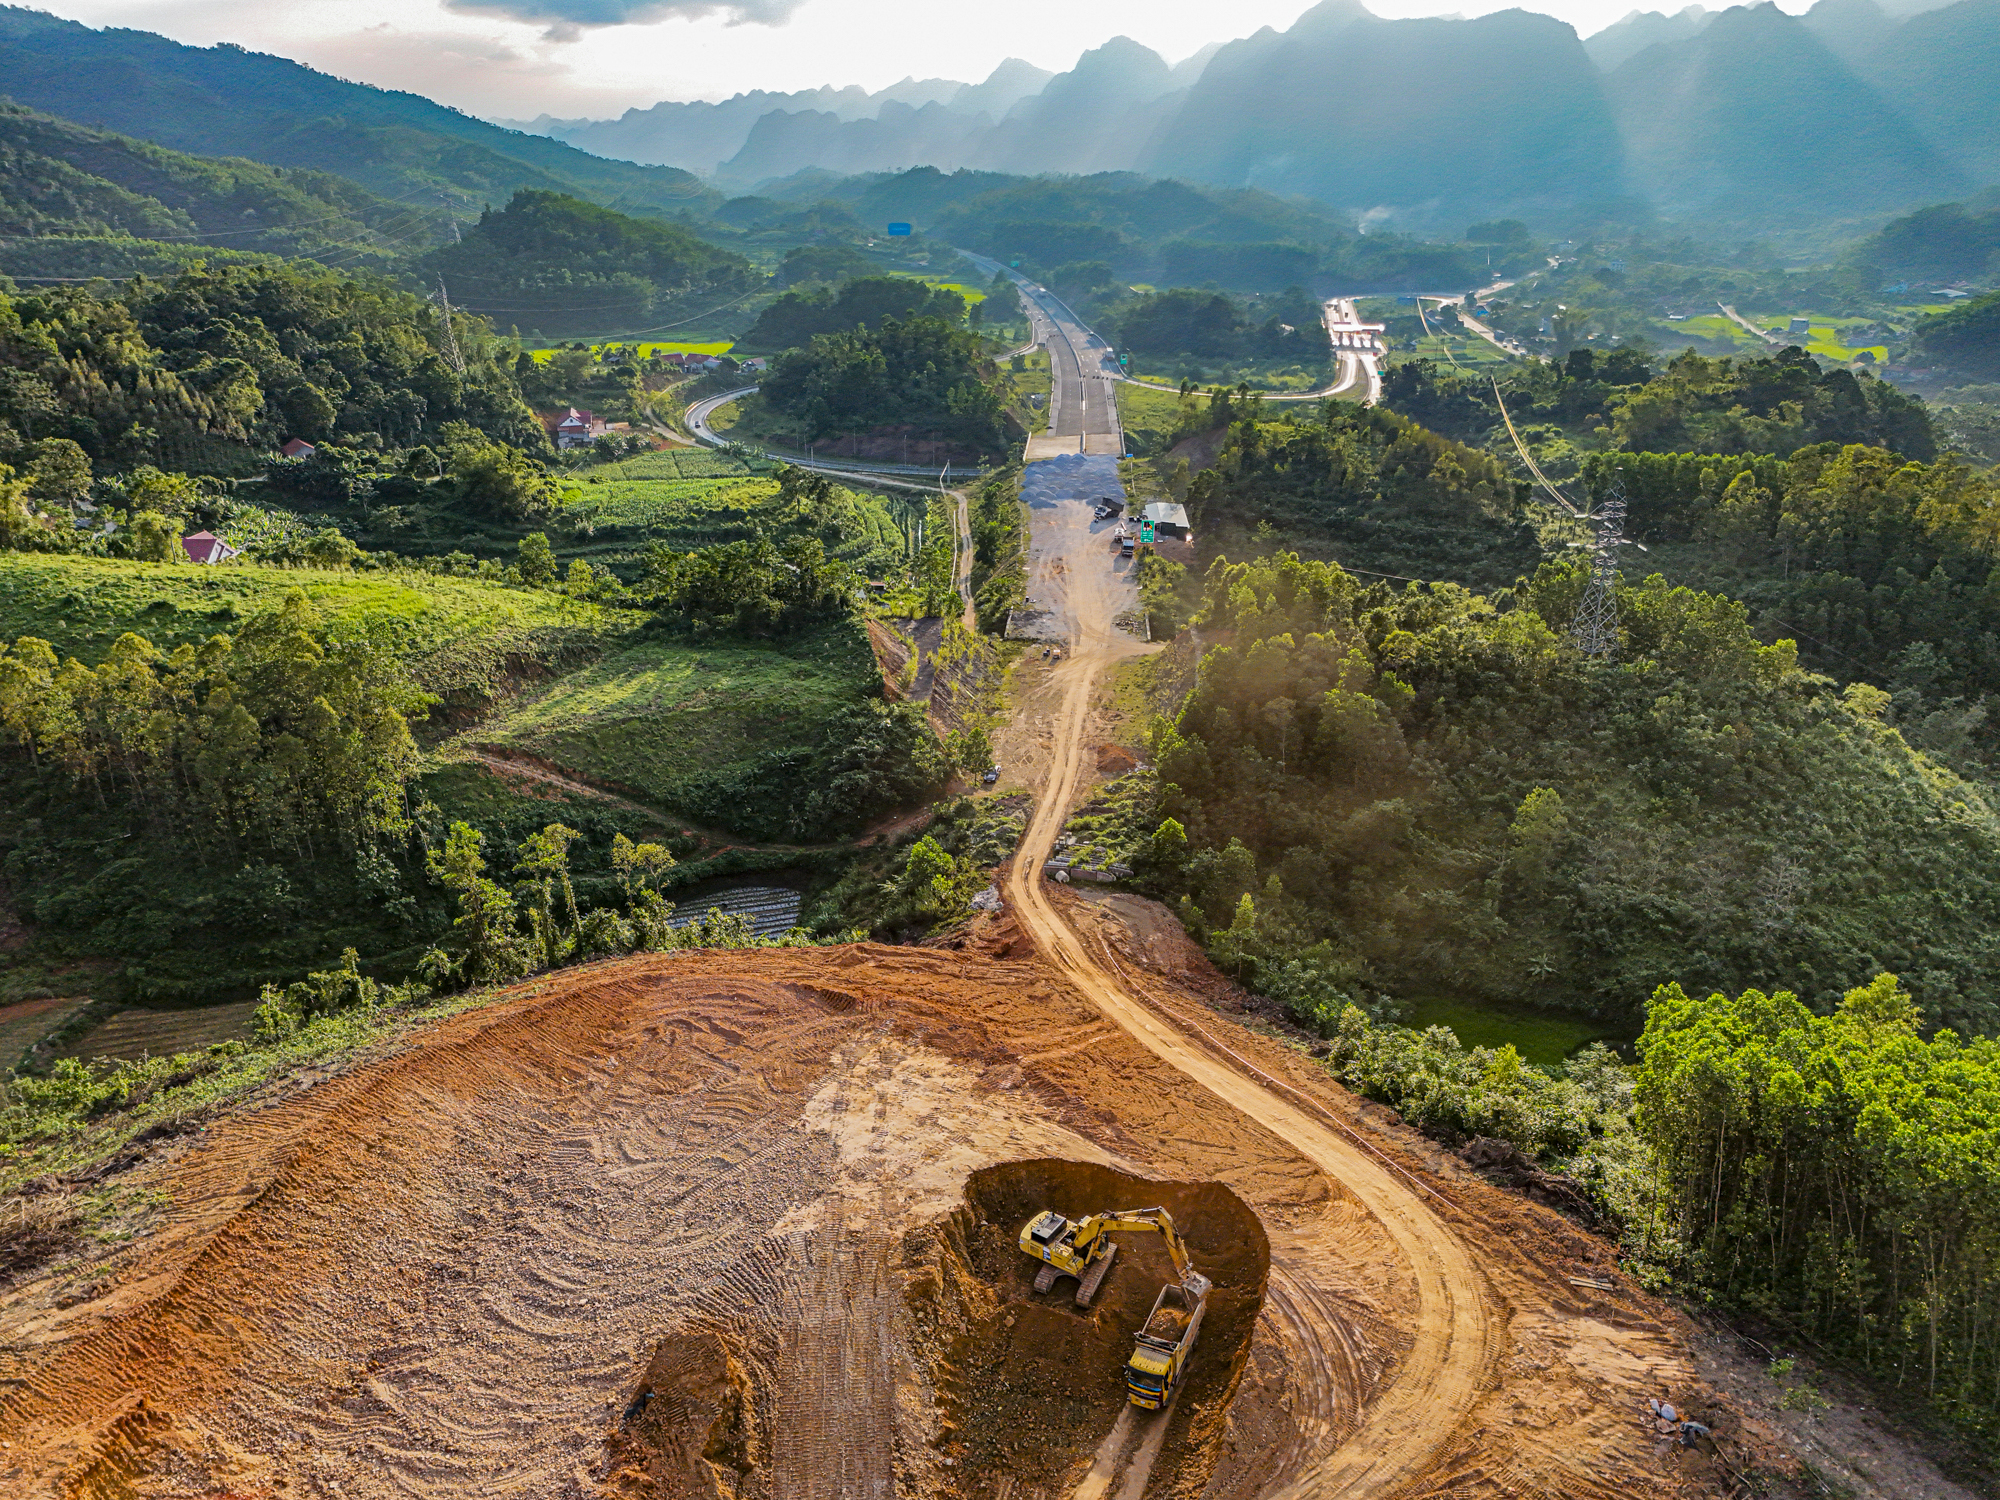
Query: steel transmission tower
point(451, 355)
point(1595, 628)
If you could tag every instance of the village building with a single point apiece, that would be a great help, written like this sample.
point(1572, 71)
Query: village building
point(579, 428)
point(297, 448)
point(207, 547)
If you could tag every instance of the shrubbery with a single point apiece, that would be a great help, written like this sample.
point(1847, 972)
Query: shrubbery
point(925, 372)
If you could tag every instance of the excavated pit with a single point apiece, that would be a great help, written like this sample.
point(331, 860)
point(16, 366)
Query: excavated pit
point(1028, 1387)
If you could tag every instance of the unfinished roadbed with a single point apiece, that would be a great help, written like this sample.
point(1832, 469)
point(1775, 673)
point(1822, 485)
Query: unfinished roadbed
point(700, 1225)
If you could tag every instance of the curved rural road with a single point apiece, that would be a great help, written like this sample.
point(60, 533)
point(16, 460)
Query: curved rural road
point(699, 413)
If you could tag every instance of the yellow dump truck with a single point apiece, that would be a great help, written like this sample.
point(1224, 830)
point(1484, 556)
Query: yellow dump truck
point(1163, 1347)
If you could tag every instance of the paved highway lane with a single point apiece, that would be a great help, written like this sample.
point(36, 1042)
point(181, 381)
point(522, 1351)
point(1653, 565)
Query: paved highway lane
point(1083, 374)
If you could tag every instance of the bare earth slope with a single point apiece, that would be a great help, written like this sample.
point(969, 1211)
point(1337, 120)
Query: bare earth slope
point(449, 1271)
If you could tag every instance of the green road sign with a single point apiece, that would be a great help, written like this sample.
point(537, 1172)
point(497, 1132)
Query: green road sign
point(1145, 531)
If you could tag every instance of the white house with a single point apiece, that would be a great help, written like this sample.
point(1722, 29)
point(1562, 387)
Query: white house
point(579, 429)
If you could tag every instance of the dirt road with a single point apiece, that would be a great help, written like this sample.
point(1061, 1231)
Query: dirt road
point(1412, 1423)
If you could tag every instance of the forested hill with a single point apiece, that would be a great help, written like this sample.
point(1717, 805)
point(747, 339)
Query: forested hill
point(555, 265)
point(60, 181)
point(224, 101)
point(213, 369)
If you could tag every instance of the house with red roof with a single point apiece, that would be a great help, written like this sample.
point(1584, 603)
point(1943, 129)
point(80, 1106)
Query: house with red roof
point(579, 428)
point(297, 448)
point(207, 547)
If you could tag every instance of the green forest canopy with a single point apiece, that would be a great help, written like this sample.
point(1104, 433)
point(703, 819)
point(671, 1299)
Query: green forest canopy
point(1429, 791)
point(1965, 339)
point(241, 358)
point(863, 302)
point(924, 372)
point(562, 266)
point(59, 179)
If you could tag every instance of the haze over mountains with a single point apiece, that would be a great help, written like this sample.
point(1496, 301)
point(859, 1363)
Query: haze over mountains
point(1747, 118)
point(1740, 112)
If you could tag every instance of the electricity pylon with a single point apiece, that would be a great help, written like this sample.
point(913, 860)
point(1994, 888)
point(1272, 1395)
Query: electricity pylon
point(1594, 629)
point(451, 355)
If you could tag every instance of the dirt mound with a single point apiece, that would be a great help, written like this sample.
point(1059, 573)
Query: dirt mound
point(691, 1428)
point(1030, 1385)
point(1115, 760)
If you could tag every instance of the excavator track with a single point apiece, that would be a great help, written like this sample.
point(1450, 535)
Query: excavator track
point(1046, 1278)
point(1088, 1283)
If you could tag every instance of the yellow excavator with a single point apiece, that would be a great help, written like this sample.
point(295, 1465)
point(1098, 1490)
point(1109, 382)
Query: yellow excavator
point(1083, 1248)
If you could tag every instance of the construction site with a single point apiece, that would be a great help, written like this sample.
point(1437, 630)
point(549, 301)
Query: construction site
point(838, 1223)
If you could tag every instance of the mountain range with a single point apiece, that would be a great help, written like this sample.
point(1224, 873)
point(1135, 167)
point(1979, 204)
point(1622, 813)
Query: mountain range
point(228, 102)
point(1850, 108)
point(1746, 116)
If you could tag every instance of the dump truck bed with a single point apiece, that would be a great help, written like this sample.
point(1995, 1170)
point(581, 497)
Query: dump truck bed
point(1164, 1345)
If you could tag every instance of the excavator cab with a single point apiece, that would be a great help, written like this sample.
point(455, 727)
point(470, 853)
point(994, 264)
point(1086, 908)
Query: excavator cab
point(1044, 1227)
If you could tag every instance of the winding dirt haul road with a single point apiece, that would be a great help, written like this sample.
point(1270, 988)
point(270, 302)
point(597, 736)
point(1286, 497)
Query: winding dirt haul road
point(1413, 1421)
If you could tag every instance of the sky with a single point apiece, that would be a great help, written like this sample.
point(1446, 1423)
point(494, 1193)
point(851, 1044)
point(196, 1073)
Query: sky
point(517, 59)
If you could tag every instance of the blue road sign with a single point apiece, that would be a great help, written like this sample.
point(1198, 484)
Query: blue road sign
point(899, 229)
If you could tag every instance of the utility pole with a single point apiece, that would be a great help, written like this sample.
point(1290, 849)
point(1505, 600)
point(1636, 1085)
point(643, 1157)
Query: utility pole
point(451, 355)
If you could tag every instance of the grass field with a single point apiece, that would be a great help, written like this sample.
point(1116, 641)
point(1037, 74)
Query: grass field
point(1284, 379)
point(1543, 1037)
point(1028, 375)
point(648, 350)
point(645, 494)
point(448, 630)
point(1148, 416)
point(661, 714)
point(751, 421)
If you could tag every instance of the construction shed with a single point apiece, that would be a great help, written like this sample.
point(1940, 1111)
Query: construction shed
point(1167, 518)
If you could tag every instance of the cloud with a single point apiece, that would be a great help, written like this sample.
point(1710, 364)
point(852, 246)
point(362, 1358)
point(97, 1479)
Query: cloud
point(483, 75)
point(569, 19)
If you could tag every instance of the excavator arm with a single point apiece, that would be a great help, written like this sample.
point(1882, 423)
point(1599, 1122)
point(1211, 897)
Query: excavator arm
point(1155, 1220)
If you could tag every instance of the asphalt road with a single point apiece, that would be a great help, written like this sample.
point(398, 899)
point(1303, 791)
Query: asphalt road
point(1083, 375)
point(699, 413)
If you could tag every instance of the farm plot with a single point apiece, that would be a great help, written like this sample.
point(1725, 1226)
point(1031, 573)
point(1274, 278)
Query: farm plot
point(672, 720)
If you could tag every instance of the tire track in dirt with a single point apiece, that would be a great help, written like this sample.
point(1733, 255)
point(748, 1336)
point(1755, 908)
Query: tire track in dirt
point(1411, 1425)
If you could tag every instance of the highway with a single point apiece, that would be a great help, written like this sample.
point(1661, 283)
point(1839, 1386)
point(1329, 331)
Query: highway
point(1357, 347)
point(1084, 370)
point(1083, 374)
